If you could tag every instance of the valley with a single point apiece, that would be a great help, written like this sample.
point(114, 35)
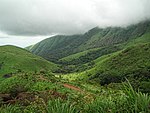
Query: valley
point(105, 70)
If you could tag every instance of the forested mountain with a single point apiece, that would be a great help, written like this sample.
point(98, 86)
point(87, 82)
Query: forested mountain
point(60, 46)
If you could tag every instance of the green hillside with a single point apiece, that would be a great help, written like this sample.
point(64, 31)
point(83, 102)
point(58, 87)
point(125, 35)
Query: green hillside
point(77, 55)
point(116, 35)
point(55, 47)
point(132, 63)
point(102, 71)
point(14, 59)
point(142, 39)
point(61, 46)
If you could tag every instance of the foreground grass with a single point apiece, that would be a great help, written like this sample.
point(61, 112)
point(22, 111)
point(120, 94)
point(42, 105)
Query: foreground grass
point(49, 96)
point(132, 102)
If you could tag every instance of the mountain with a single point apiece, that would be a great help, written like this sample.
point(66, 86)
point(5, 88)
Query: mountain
point(14, 59)
point(101, 71)
point(131, 62)
point(57, 47)
point(76, 53)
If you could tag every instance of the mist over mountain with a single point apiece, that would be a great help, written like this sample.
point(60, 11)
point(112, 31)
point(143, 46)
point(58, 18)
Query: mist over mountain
point(77, 56)
point(59, 46)
point(38, 17)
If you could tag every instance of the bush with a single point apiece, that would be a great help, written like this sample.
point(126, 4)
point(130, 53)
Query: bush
point(16, 89)
point(107, 79)
point(145, 87)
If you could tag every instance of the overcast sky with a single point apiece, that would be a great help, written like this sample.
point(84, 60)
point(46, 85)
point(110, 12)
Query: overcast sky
point(25, 22)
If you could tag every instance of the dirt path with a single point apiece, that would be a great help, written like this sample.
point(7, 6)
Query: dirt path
point(65, 85)
point(72, 87)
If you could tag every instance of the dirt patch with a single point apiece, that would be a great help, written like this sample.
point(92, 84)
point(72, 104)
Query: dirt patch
point(72, 87)
point(56, 94)
point(25, 98)
point(5, 97)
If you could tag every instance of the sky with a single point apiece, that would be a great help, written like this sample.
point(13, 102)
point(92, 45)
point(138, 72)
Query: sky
point(26, 22)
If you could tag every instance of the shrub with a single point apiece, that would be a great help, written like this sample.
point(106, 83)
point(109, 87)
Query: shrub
point(145, 87)
point(16, 89)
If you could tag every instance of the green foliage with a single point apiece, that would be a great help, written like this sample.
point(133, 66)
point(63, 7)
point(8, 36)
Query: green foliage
point(62, 45)
point(84, 60)
point(56, 106)
point(77, 55)
point(14, 60)
point(101, 106)
point(137, 101)
point(80, 62)
point(41, 86)
point(10, 109)
point(93, 98)
point(104, 55)
point(58, 47)
point(144, 86)
point(132, 62)
point(130, 102)
point(11, 85)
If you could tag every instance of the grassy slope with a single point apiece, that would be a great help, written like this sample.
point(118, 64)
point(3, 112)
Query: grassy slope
point(133, 61)
point(55, 47)
point(115, 35)
point(43, 93)
point(93, 98)
point(143, 39)
point(129, 44)
point(58, 47)
point(77, 55)
point(13, 58)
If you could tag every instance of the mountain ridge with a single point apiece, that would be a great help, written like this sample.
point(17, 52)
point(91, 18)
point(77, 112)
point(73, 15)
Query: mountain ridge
point(60, 46)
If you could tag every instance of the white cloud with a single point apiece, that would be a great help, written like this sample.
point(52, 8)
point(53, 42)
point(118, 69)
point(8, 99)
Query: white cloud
point(20, 41)
point(45, 17)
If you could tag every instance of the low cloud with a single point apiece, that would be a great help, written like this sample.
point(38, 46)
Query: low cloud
point(46, 17)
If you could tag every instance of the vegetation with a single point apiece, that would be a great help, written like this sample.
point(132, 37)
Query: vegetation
point(14, 59)
point(102, 71)
point(58, 47)
point(132, 63)
point(59, 99)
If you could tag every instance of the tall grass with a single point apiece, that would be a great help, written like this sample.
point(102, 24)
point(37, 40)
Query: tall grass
point(128, 102)
point(10, 109)
point(57, 106)
point(136, 101)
